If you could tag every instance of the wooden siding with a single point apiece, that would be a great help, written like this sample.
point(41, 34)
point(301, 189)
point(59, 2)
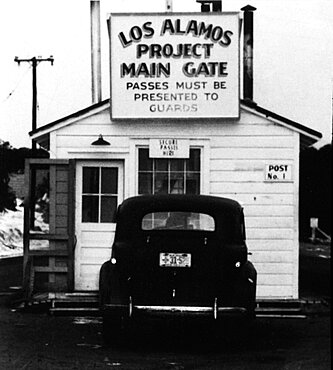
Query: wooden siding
point(238, 171)
point(46, 256)
point(238, 152)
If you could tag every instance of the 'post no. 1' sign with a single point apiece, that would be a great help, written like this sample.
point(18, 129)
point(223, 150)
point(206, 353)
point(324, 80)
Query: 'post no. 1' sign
point(174, 65)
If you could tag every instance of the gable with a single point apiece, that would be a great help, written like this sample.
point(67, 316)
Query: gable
point(99, 114)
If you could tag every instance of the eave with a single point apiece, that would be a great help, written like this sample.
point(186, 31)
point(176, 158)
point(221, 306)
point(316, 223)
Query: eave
point(308, 136)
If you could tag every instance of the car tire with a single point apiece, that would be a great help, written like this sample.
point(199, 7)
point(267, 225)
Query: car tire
point(112, 329)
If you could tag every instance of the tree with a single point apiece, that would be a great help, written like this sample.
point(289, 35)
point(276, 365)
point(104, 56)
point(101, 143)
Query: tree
point(315, 189)
point(11, 161)
point(7, 196)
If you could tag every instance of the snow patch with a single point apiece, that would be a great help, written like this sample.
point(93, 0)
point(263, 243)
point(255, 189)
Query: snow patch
point(11, 233)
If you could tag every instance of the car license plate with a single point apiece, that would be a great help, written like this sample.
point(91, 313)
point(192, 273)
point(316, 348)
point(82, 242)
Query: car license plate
point(175, 259)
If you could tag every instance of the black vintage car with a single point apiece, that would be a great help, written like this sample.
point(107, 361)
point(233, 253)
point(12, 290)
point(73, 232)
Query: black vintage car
point(177, 255)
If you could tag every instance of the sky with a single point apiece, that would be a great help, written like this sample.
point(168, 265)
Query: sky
point(293, 58)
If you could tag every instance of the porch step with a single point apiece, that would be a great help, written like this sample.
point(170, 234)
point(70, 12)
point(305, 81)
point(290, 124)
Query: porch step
point(78, 304)
point(279, 303)
point(280, 309)
point(75, 311)
point(75, 303)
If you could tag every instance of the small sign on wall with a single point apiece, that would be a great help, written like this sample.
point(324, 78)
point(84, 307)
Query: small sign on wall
point(169, 148)
point(277, 172)
point(313, 222)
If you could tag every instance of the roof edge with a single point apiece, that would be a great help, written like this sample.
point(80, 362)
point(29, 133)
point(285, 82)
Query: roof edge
point(70, 116)
point(269, 114)
point(246, 103)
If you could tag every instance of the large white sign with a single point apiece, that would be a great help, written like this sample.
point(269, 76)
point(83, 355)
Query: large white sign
point(174, 65)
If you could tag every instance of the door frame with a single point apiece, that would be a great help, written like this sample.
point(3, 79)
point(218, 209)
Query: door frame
point(77, 182)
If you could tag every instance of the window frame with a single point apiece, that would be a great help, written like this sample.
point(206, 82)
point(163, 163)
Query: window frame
point(169, 172)
point(183, 217)
point(99, 194)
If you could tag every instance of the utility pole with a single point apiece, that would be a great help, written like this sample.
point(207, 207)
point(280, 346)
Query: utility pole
point(34, 62)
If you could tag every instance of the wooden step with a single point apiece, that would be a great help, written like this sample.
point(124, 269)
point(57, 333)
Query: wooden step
point(75, 311)
point(278, 309)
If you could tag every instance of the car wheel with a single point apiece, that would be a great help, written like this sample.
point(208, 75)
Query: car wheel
point(112, 329)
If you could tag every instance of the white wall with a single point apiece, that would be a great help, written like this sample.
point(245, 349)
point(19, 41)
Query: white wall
point(238, 152)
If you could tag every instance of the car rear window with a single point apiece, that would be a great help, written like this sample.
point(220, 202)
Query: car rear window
point(178, 221)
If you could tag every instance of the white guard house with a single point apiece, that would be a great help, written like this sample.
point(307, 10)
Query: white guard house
point(174, 123)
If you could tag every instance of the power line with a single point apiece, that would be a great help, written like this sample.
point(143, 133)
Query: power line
point(34, 63)
point(17, 85)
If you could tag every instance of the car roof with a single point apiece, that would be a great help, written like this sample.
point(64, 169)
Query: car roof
point(226, 212)
point(137, 207)
point(158, 202)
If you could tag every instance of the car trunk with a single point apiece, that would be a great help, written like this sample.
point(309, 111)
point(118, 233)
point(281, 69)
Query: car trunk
point(155, 278)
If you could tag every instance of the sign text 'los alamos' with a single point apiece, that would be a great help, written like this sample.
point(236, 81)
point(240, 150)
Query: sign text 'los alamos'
point(174, 65)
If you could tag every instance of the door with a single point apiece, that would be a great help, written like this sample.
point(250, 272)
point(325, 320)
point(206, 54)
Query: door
point(99, 191)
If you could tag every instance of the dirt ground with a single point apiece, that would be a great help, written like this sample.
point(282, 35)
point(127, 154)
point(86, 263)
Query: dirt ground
point(40, 341)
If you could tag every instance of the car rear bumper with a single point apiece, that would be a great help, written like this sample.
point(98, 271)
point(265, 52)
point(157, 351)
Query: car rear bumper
point(173, 311)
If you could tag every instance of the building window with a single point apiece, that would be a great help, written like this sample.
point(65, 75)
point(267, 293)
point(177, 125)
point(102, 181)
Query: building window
point(99, 194)
point(175, 220)
point(169, 176)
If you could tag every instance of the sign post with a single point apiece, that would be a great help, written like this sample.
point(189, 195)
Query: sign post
point(314, 226)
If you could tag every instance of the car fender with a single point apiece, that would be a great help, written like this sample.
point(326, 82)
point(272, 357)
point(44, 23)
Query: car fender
point(249, 272)
point(105, 277)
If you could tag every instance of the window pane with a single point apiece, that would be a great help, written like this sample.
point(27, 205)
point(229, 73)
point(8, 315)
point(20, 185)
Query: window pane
point(177, 165)
point(90, 180)
point(193, 164)
point(89, 208)
point(178, 221)
point(154, 221)
point(177, 183)
point(161, 165)
point(193, 183)
point(147, 224)
point(201, 221)
point(145, 163)
point(108, 208)
point(109, 180)
point(161, 183)
point(145, 183)
point(168, 175)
